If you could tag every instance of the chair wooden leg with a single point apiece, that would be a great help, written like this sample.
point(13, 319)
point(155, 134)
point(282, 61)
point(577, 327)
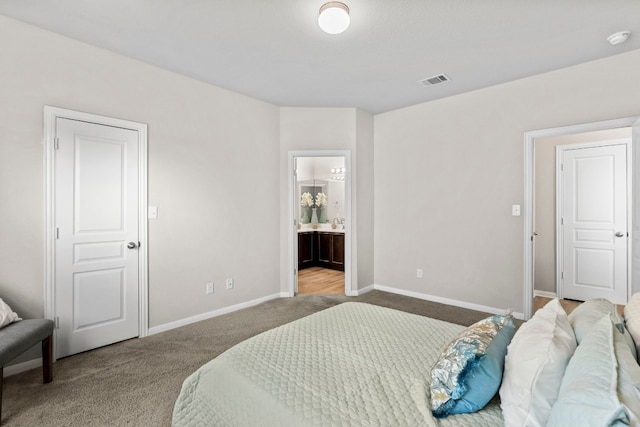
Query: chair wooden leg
point(47, 359)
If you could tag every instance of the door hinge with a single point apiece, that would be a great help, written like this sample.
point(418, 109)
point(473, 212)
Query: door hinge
point(57, 232)
point(562, 275)
point(57, 322)
point(56, 143)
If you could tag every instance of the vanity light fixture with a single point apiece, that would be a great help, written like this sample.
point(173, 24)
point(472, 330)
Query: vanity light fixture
point(338, 174)
point(619, 37)
point(334, 17)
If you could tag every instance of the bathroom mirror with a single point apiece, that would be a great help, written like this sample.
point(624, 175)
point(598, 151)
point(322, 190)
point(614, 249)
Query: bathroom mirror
point(314, 201)
point(322, 176)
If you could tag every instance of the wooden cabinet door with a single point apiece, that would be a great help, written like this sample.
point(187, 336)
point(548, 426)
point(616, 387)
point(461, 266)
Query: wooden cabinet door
point(305, 250)
point(324, 249)
point(337, 251)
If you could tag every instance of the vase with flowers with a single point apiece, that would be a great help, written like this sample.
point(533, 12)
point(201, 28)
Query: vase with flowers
point(306, 200)
point(321, 202)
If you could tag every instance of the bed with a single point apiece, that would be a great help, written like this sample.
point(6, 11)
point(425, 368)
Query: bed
point(354, 364)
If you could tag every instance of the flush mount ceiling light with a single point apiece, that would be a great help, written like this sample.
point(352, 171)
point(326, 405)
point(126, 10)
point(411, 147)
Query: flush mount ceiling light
point(334, 17)
point(619, 37)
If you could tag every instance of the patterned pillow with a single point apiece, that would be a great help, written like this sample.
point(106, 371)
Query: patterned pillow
point(469, 371)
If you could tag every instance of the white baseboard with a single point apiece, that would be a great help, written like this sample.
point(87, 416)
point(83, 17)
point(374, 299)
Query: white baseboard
point(448, 301)
point(544, 294)
point(21, 367)
point(36, 363)
point(362, 291)
point(204, 316)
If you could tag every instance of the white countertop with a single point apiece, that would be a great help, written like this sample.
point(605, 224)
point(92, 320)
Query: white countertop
point(325, 228)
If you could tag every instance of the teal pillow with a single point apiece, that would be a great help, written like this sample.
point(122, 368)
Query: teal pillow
point(469, 371)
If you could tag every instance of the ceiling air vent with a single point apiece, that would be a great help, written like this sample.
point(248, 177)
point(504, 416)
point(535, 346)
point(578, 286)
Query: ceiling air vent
point(430, 81)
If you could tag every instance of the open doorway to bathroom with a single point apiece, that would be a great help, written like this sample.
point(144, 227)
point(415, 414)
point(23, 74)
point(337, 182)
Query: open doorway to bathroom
point(320, 223)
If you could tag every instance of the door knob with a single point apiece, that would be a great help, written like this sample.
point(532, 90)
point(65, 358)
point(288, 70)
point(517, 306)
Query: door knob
point(132, 245)
point(619, 234)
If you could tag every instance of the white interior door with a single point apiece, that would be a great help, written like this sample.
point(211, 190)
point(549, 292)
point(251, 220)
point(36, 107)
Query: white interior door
point(593, 223)
point(96, 220)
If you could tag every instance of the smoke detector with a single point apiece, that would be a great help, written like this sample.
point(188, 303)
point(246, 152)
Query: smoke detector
point(434, 80)
point(619, 37)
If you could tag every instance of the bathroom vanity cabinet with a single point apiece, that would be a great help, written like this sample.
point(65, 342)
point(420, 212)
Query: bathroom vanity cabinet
point(306, 250)
point(321, 249)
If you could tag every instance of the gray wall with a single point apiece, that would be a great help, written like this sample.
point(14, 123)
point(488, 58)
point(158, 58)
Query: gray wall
point(333, 129)
point(448, 171)
point(433, 184)
point(208, 150)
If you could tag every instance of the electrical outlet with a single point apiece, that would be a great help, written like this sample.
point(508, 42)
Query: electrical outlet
point(419, 273)
point(230, 283)
point(210, 287)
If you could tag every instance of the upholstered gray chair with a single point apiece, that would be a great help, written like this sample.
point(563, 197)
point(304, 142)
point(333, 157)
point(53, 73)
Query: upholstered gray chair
point(18, 337)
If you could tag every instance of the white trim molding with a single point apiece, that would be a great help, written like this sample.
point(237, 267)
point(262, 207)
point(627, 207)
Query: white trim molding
point(544, 294)
point(50, 116)
point(448, 301)
point(210, 314)
point(21, 367)
point(358, 292)
point(292, 233)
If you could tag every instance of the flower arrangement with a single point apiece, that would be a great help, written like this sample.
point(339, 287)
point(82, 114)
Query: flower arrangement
point(321, 200)
point(306, 199)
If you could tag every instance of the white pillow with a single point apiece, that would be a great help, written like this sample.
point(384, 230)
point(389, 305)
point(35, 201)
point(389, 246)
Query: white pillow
point(587, 314)
point(588, 395)
point(632, 318)
point(628, 378)
point(535, 363)
point(6, 314)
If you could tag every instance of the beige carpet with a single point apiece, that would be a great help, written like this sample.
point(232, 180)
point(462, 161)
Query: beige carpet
point(136, 382)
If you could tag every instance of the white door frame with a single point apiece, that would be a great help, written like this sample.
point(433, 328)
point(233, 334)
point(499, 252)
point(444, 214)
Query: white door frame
point(50, 116)
point(529, 195)
point(293, 221)
point(560, 149)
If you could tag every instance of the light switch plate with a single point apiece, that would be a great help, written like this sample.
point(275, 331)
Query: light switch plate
point(153, 212)
point(515, 210)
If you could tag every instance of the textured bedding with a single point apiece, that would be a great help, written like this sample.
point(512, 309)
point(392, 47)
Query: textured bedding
point(354, 364)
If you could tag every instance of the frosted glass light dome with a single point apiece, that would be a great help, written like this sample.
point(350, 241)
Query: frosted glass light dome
point(334, 17)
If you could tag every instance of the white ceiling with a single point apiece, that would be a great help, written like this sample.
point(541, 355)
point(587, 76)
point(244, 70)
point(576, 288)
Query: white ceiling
point(273, 50)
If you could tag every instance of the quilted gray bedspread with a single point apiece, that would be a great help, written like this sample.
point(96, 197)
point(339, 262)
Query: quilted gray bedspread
point(354, 364)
